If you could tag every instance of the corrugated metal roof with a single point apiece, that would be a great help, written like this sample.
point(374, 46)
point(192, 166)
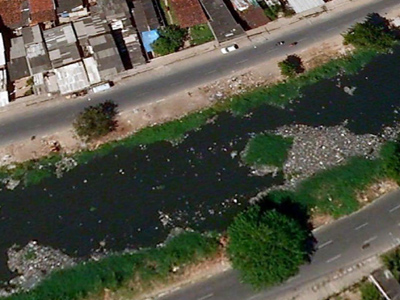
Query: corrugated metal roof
point(4, 98)
point(303, 5)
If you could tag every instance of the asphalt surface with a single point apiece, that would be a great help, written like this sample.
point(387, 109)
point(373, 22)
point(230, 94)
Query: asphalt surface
point(184, 75)
point(340, 244)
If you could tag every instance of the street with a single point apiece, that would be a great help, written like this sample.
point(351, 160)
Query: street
point(340, 244)
point(183, 75)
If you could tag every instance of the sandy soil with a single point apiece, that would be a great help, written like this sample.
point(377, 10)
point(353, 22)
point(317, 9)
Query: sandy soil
point(172, 107)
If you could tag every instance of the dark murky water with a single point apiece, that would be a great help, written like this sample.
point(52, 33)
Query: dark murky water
point(198, 183)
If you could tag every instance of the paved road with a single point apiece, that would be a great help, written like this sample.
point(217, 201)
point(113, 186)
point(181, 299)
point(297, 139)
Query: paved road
point(339, 245)
point(160, 83)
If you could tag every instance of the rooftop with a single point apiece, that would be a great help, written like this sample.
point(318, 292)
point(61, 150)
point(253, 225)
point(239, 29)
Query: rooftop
point(303, 5)
point(90, 26)
point(188, 12)
point(106, 54)
point(62, 46)
point(145, 15)
point(72, 78)
point(42, 11)
point(387, 282)
point(113, 9)
point(18, 66)
point(221, 20)
point(68, 5)
point(32, 35)
point(14, 13)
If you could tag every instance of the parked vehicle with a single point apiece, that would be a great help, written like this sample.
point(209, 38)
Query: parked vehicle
point(280, 43)
point(229, 48)
point(101, 87)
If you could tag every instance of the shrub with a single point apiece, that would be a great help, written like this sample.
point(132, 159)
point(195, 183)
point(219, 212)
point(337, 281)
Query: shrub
point(370, 292)
point(373, 33)
point(96, 121)
point(267, 247)
point(291, 66)
point(171, 39)
point(267, 149)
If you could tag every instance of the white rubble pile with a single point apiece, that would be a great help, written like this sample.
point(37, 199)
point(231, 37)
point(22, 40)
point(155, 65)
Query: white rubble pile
point(33, 262)
point(320, 148)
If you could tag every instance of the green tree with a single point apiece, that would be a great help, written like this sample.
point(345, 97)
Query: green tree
point(266, 247)
point(374, 33)
point(291, 66)
point(96, 121)
point(370, 292)
point(171, 39)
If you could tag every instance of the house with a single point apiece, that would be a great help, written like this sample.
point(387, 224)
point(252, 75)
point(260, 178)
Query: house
point(67, 10)
point(14, 14)
point(42, 11)
point(147, 23)
point(36, 52)
point(188, 12)
point(106, 55)
point(386, 284)
point(17, 66)
point(118, 15)
point(222, 22)
point(250, 13)
point(72, 78)
point(62, 45)
point(300, 6)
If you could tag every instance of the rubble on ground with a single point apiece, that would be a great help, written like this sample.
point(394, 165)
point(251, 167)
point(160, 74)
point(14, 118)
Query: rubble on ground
point(66, 164)
point(319, 148)
point(33, 262)
point(235, 85)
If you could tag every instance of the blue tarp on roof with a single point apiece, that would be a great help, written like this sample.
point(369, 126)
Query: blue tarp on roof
point(148, 38)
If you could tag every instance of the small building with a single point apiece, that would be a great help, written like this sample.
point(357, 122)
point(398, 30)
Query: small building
point(188, 12)
point(250, 13)
point(300, 6)
point(14, 14)
point(221, 20)
point(62, 45)
point(36, 52)
point(386, 284)
point(72, 78)
point(92, 70)
point(107, 57)
point(68, 10)
point(17, 66)
point(42, 11)
point(145, 16)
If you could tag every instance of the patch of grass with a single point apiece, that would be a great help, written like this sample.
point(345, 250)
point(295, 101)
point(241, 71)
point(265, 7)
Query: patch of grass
point(200, 34)
point(267, 150)
point(334, 191)
point(139, 270)
point(392, 262)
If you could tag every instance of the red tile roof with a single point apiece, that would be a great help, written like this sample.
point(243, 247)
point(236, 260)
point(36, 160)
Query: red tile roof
point(42, 11)
point(188, 12)
point(10, 12)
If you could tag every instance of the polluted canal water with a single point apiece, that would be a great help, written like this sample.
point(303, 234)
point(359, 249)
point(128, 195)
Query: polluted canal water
point(133, 197)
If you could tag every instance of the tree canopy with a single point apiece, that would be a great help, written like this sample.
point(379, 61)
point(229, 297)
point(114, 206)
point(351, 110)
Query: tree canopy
point(267, 247)
point(96, 121)
point(374, 33)
point(291, 66)
point(171, 39)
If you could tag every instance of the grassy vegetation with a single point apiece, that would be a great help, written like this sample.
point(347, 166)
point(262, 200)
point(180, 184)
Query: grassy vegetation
point(392, 262)
point(138, 271)
point(267, 150)
point(200, 34)
point(334, 191)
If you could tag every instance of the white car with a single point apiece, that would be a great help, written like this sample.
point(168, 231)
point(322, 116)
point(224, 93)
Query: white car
point(229, 48)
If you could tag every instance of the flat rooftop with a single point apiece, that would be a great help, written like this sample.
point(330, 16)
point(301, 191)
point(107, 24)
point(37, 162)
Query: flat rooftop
point(18, 66)
point(62, 45)
point(222, 22)
point(72, 78)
